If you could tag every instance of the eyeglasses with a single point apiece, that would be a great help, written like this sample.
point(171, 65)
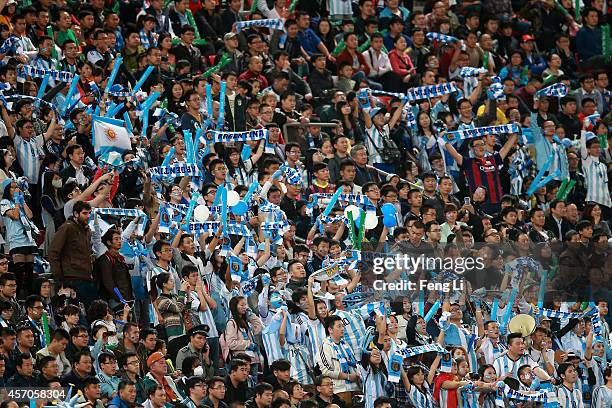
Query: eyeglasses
point(491, 234)
point(4, 263)
point(478, 145)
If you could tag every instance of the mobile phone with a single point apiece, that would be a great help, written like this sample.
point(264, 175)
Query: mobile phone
point(467, 201)
point(474, 376)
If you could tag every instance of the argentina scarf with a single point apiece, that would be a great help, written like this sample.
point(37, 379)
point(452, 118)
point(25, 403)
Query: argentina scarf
point(216, 136)
point(175, 170)
point(346, 358)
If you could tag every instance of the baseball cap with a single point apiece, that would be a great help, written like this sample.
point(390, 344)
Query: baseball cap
point(527, 37)
point(376, 111)
point(155, 357)
point(229, 36)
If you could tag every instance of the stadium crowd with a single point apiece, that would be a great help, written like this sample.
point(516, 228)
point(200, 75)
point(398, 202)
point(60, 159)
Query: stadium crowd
point(195, 195)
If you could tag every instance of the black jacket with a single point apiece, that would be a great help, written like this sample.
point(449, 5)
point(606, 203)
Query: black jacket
point(19, 380)
point(320, 81)
point(192, 54)
point(236, 119)
point(551, 225)
point(73, 379)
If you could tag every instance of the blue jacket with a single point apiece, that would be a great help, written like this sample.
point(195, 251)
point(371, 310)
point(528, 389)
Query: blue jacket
point(544, 148)
point(117, 402)
point(388, 14)
point(588, 42)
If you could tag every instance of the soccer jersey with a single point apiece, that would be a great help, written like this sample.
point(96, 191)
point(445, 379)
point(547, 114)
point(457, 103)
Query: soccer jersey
point(596, 176)
point(421, 399)
point(569, 398)
point(316, 335)
point(484, 172)
point(354, 329)
point(602, 397)
point(373, 385)
point(505, 365)
point(301, 363)
point(491, 351)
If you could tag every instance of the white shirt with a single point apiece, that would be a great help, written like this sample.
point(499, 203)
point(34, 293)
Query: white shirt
point(378, 62)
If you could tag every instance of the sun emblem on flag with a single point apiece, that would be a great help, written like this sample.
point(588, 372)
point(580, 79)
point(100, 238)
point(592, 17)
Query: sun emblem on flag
point(111, 134)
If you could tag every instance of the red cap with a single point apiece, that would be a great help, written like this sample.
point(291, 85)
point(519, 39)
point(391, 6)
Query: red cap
point(527, 37)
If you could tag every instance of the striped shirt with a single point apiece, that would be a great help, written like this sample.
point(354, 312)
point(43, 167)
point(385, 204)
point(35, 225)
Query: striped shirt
point(421, 399)
point(505, 365)
point(490, 351)
point(484, 172)
point(596, 176)
point(373, 385)
point(273, 348)
point(205, 316)
point(158, 270)
point(301, 363)
point(29, 153)
point(602, 397)
point(374, 143)
point(354, 329)
point(316, 335)
point(569, 398)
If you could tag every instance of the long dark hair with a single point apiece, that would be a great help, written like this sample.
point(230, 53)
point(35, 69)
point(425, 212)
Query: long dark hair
point(241, 320)
point(49, 190)
point(421, 131)
point(174, 106)
point(3, 166)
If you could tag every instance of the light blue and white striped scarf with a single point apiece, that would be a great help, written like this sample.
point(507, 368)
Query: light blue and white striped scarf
point(481, 131)
point(468, 72)
point(35, 72)
point(430, 91)
point(558, 90)
point(441, 37)
point(273, 23)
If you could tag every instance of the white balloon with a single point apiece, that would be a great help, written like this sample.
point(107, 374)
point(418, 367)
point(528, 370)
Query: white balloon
point(354, 210)
point(201, 213)
point(232, 198)
point(371, 220)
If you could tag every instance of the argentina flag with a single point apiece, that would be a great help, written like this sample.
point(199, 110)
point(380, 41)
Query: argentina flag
point(109, 135)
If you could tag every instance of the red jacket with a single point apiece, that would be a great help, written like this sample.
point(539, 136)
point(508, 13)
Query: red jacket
point(248, 74)
point(346, 57)
point(400, 63)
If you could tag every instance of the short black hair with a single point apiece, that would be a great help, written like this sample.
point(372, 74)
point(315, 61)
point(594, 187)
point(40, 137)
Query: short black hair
point(236, 363)
point(329, 322)
point(513, 336)
point(262, 387)
point(280, 365)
